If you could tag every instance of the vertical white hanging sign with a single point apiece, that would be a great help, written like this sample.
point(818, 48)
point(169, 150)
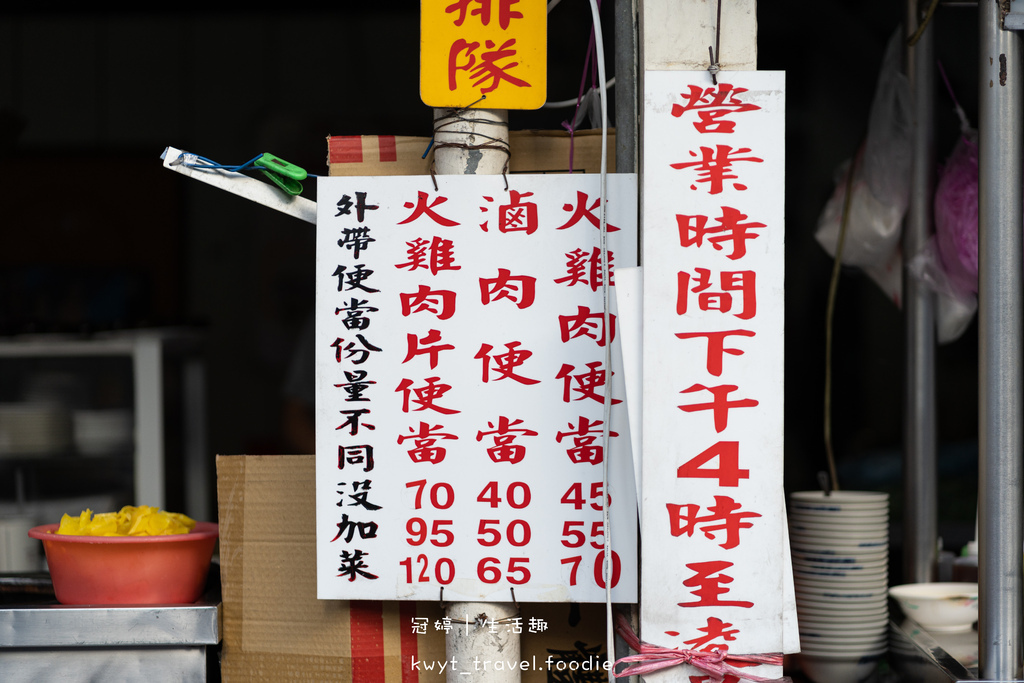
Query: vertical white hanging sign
point(713, 216)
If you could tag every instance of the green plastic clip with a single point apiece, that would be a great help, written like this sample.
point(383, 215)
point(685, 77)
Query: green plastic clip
point(282, 173)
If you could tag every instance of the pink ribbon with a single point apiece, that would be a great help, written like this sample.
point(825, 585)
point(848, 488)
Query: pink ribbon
point(713, 662)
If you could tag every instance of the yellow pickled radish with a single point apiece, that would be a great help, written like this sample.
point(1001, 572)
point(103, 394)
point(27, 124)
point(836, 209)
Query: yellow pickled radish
point(143, 520)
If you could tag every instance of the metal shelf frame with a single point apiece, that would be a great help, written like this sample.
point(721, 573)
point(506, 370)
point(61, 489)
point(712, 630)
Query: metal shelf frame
point(1000, 328)
point(146, 349)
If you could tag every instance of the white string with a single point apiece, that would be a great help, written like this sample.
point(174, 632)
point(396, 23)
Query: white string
point(608, 565)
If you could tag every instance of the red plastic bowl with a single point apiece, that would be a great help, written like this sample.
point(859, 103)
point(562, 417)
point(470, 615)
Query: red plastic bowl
point(128, 570)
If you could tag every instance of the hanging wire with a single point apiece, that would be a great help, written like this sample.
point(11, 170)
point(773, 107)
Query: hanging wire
point(456, 116)
point(912, 41)
point(213, 165)
point(596, 73)
point(715, 54)
point(562, 104)
point(608, 565)
point(830, 310)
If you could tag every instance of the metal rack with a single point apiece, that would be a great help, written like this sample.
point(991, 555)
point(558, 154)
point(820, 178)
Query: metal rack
point(1000, 315)
point(146, 349)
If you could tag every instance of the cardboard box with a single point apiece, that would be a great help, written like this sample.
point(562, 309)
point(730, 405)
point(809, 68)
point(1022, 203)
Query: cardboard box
point(533, 151)
point(275, 629)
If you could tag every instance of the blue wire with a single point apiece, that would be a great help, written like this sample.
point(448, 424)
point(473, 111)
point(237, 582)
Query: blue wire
point(211, 165)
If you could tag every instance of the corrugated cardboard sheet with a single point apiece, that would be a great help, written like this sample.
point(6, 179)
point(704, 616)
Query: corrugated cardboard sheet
point(533, 151)
point(275, 629)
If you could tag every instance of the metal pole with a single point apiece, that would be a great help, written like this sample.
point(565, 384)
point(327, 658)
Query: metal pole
point(920, 481)
point(627, 131)
point(1001, 283)
point(482, 634)
point(626, 120)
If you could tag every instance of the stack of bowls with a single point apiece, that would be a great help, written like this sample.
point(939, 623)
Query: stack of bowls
point(840, 549)
point(34, 429)
point(102, 432)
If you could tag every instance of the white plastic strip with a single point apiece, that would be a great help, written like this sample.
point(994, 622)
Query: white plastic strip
point(242, 185)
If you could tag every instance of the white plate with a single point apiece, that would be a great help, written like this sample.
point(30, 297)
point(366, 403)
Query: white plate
point(854, 535)
point(824, 555)
point(856, 623)
point(839, 523)
point(839, 520)
point(840, 497)
point(810, 543)
point(808, 582)
point(846, 563)
point(812, 609)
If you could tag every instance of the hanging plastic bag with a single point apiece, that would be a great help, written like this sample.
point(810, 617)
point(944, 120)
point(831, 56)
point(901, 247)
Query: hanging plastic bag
point(880, 188)
point(949, 262)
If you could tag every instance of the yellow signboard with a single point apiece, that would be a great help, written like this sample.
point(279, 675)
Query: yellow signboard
point(490, 49)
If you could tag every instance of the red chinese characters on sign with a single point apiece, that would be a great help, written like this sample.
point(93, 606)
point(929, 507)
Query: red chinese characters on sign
point(486, 68)
point(713, 106)
point(440, 302)
point(729, 228)
point(586, 269)
point(425, 438)
point(723, 164)
point(423, 206)
point(741, 282)
point(586, 447)
point(434, 255)
point(582, 385)
point(471, 50)
point(724, 516)
point(503, 435)
point(427, 345)
point(484, 9)
point(485, 63)
point(580, 211)
point(719, 405)
point(714, 166)
point(709, 583)
point(715, 628)
point(516, 216)
point(442, 318)
point(716, 346)
point(585, 323)
point(519, 289)
point(504, 365)
point(425, 397)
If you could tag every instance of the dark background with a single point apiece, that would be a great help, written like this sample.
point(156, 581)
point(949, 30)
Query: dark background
point(96, 235)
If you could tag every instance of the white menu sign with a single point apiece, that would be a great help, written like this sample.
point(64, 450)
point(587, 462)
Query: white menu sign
point(460, 357)
point(713, 216)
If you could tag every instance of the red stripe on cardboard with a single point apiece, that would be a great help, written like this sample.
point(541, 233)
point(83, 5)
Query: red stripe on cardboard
point(346, 149)
point(406, 614)
point(367, 628)
point(388, 149)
